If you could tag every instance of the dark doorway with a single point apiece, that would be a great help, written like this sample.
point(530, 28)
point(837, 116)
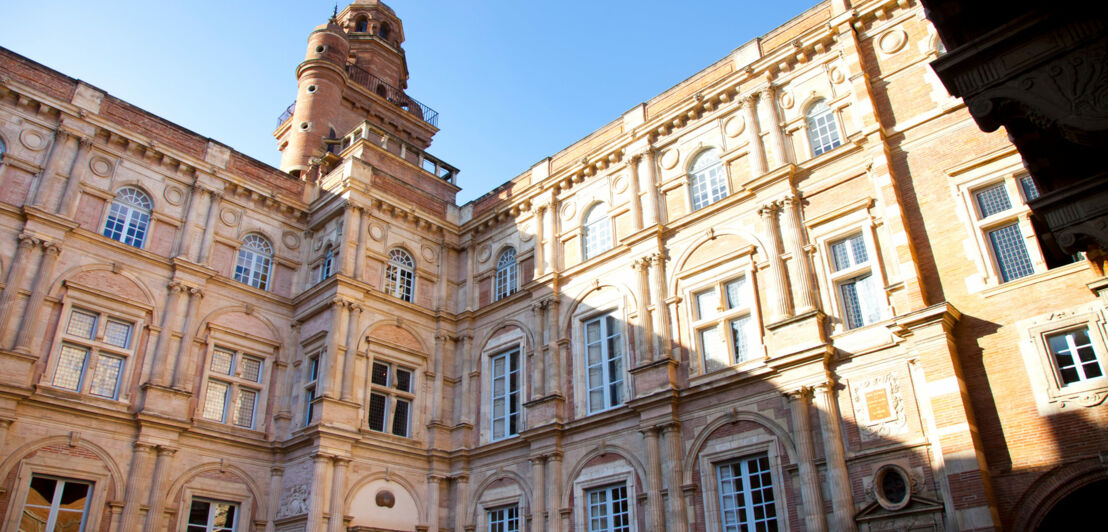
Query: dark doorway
point(1075, 511)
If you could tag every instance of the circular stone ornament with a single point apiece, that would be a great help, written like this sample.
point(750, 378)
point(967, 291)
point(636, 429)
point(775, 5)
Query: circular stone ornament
point(892, 487)
point(734, 126)
point(787, 100)
point(670, 158)
point(290, 239)
point(429, 254)
point(376, 232)
point(230, 217)
point(33, 139)
point(101, 166)
point(385, 499)
point(484, 252)
point(568, 210)
point(174, 195)
point(892, 41)
point(619, 184)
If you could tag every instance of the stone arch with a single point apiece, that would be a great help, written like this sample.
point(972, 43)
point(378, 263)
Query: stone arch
point(388, 477)
point(75, 273)
point(600, 450)
point(778, 431)
point(19, 454)
point(183, 479)
point(413, 337)
point(628, 296)
point(1051, 488)
point(528, 335)
point(699, 150)
point(155, 200)
point(673, 273)
point(273, 335)
point(475, 500)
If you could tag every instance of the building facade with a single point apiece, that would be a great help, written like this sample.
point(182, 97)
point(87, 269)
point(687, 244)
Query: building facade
point(799, 290)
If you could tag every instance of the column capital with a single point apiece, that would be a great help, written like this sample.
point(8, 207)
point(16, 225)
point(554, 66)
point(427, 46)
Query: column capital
point(669, 427)
point(656, 258)
point(791, 201)
point(196, 291)
point(277, 470)
point(340, 461)
point(176, 287)
point(766, 93)
point(165, 450)
point(143, 447)
point(539, 306)
point(51, 248)
point(85, 142)
point(768, 210)
point(651, 432)
point(803, 393)
point(537, 459)
point(436, 478)
point(27, 240)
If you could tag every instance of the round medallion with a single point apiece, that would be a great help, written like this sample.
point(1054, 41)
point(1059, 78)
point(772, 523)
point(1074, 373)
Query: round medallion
point(429, 253)
point(483, 253)
point(376, 232)
point(787, 100)
point(100, 166)
point(229, 216)
point(670, 158)
point(290, 239)
point(568, 210)
point(892, 41)
point(837, 75)
point(526, 231)
point(734, 126)
point(174, 195)
point(33, 139)
point(385, 499)
point(619, 185)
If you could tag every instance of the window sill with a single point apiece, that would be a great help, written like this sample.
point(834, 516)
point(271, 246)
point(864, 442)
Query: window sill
point(1035, 278)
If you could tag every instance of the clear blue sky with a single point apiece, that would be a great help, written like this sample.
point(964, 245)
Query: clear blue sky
point(514, 81)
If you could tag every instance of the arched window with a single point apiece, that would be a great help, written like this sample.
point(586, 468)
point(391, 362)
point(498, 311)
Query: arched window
point(400, 275)
point(129, 217)
point(361, 25)
point(823, 131)
point(255, 261)
point(3, 150)
point(598, 231)
point(706, 179)
point(505, 274)
point(385, 30)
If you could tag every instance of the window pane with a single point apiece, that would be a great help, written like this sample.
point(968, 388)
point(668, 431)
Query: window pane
point(403, 380)
point(71, 365)
point(736, 293)
point(852, 306)
point(221, 362)
point(400, 418)
point(1030, 191)
point(74, 495)
point(117, 333)
point(377, 405)
point(251, 369)
point(224, 515)
point(215, 402)
point(105, 380)
point(848, 252)
point(1010, 253)
point(244, 408)
point(42, 491)
point(992, 200)
point(823, 131)
point(740, 331)
point(380, 374)
point(198, 513)
point(714, 350)
point(81, 324)
point(707, 303)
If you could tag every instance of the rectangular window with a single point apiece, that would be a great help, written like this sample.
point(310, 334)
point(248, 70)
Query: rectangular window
point(603, 363)
point(212, 516)
point(746, 500)
point(55, 504)
point(1074, 357)
point(608, 509)
point(390, 403)
point(233, 388)
point(310, 386)
point(1002, 220)
point(94, 352)
point(1010, 252)
point(505, 394)
point(723, 324)
point(859, 292)
point(504, 519)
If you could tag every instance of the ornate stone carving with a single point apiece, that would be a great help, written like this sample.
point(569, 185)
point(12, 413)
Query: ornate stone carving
point(290, 239)
point(878, 407)
point(295, 502)
point(670, 158)
point(101, 166)
point(230, 217)
point(174, 195)
point(892, 41)
point(734, 126)
point(33, 139)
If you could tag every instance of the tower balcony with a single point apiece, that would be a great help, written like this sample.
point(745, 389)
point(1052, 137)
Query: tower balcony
point(392, 94)
point(367, 132)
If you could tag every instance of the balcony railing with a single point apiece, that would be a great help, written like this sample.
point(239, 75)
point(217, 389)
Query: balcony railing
point(285, 115)
point(392, 94)
point(405, 150)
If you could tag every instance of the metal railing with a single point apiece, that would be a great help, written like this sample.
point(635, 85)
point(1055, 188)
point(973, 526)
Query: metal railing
point(405, 150)
point(392, 94)
point(285, 115)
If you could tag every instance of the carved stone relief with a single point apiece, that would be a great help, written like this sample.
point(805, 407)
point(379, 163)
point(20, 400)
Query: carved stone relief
point(878, 407)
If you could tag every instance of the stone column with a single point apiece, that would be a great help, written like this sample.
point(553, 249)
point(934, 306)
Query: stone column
point(349, 215)
point(352, 341)
point(436, 387)
point(115, 513)
point(184, 350)
point(538, 496)
point(757, 154)
point(434, 488)
point(291, 350)
point(319, 495)
point(554, 491)
point(338, 495)
point(658, 300)
point(540, 247)
point(461, 507)
point(636, 200)
point(63, 143)
point(5, 424)
point(539, 365)
point(780, 304)
point(14, 283)
point(644, 339)
point(467, 369)
point(205, 252)
point(675, 506)
point(553, 353)
point(656, 514)
point(550, 231)
point(30, 331)
point(327, 385)
point(184, 236)
point(653, 206)
point(359, 257)
point(137, 489)
point(160, 356)
point(154, 516)
point(471, 284)
point(67, 205)
point(798, 246)
point(838, 479)
point(273, 499)
point(777, 137)
point(810, 493)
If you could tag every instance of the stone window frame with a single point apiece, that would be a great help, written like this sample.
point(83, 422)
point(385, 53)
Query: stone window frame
point(147, 225)
point(1000, 166)
point(500, 345)
point(613, 305)
point(587, 228)
point(219, 338)
point(324, 266)
point(105, 307)
point(407, 359)
point(1050, 393)
point(250, 276)
point(236, 519)
point(498, 503)
point(404, 287)
point(737, 447)
point(72, 470)
point(313, 347)
point(506, 278)
point(703, 173)
point(717, 274)
point(607, 476)
point(832, 228)
point(832, 113)
point(214, 490)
